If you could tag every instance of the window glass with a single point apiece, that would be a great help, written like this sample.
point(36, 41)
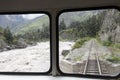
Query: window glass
point(89, 42)
point(24, 43)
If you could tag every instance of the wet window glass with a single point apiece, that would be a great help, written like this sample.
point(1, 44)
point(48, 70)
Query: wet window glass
point(24, 43)
point(89, 42)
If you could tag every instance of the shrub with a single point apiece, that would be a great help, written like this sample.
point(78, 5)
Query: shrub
point(65, 52)
point(15, 41)
point(117, 46)
point(80, 42)
point(106, 43)
point(114, 59)
point(78, 58)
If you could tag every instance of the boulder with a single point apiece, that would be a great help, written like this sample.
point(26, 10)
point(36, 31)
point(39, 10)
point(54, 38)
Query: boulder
point(65, 52)
point(110, 29)
point(21, 43)
point(32, 43)
point(8, 47)
point(2, 44)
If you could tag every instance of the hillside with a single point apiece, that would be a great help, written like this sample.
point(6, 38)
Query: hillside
point(34, 24)
point(102, 23)
point(80, 24)
point(19, 24)
point(12, 21)
point(21, 32)
point(110, 29)
point(77, 16)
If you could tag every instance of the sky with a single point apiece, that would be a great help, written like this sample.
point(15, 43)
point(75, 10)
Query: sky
point(31, 16)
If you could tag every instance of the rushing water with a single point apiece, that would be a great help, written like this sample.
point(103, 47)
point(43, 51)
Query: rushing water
point(30, 59)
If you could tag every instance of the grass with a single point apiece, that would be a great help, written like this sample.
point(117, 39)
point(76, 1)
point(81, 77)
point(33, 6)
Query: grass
point(117, 45)
point(78, 58)
point(80, 42)
point(106, 43)
point(104, 56)
point(114, 58)
point(67, 31)
point(115, 48)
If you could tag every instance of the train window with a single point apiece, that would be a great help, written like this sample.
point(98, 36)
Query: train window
point(89, 42)
point(24, 42)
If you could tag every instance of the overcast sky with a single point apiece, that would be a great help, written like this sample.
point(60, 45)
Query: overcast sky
point(31, 16)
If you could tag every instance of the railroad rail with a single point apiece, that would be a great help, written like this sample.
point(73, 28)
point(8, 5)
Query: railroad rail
point(93, 64)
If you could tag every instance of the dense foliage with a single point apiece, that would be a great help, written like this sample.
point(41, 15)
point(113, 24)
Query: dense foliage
point(86, 28)
point(80, 42)
point(62, 25)
point(31, 36)
point(8, 35)
point(36, 34)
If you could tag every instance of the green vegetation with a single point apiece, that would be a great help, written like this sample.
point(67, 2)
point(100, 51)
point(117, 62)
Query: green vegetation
point(1, 29)
point(106, 43)
point(24, 34)
point(80, 42)
point(62, 25)
point(34, 24)
point(65, 53)
point(80, 29)
point(114, 58)
point(78, 58)
point(35, 31)
point(8, 35)
point(105, 56)
point(70, 31)
point(36, 35)
point(1, 33)
point(117, 46)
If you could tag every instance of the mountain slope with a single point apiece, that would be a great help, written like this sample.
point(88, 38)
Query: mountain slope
point(34, 24)
point(11, 20)
point(110, 29)
point(77, 16)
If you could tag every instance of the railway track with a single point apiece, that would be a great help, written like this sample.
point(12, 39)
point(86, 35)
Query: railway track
point(93, 65)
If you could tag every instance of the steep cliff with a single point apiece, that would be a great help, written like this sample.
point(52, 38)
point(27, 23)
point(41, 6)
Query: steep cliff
point(110, 29)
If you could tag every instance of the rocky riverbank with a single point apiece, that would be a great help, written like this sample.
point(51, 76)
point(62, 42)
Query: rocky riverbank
point(19, 45)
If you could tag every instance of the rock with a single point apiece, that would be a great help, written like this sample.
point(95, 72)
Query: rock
point(110, 29)
point(67, 35)
point(65, 52)
point(5, 49)
point(13, 47)
point(8, 47)
point(33, 43)
point(2, 43)
point(1, 50)
point(27, 63)
point(21, 43)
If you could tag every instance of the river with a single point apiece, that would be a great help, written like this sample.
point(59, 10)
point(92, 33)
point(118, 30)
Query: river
point(31, 59)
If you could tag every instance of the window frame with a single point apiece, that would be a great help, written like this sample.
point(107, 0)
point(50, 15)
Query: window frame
point(57, 42)
point(32, 73)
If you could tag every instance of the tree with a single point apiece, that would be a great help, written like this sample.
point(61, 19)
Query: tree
point(1, 29)
point(87, 28)
point(62, 25)
point(8, 35)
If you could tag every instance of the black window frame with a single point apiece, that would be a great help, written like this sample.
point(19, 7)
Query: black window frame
point(57, 42)
point(32, 73)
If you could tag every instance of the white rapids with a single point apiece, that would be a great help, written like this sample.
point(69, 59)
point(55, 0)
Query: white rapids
point(30, 59)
